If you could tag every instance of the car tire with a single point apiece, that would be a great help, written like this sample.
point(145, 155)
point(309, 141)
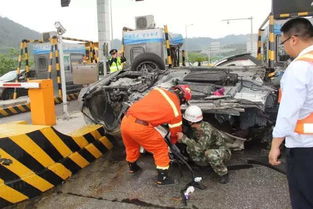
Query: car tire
point(148, 61)
point(7, 94)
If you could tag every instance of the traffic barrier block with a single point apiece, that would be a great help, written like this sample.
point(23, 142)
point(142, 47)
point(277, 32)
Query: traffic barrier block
point(21, 108)
point(34, 158)
point(12, 110)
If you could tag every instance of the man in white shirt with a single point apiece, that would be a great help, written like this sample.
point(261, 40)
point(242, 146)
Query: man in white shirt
point(294, 122)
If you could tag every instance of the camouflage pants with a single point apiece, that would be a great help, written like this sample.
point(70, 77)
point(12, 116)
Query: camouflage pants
point(216, 158)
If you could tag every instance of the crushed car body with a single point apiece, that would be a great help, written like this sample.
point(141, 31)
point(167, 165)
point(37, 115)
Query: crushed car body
point(234, 98)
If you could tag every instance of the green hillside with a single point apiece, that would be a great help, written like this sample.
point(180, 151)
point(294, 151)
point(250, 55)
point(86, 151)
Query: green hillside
point(12, 33)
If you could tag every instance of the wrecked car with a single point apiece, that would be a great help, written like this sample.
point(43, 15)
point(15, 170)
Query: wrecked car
point(235, 99)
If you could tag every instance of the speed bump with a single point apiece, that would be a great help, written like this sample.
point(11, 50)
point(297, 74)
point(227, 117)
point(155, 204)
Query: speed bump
point(34, 159)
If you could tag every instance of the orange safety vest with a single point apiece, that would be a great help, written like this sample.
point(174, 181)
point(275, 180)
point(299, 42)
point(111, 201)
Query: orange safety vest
point(158, 107)
point(305, 125)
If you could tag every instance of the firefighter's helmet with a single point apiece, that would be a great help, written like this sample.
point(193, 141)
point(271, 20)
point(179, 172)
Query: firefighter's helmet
point(183, 92)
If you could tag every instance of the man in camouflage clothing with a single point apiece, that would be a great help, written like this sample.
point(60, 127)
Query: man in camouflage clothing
point(207, 145)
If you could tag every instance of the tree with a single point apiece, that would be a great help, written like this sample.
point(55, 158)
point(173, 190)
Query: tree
point(197, 57)
point(8, 61)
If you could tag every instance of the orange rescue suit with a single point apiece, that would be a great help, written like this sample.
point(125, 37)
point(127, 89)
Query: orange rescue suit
point(158, 107)
point(305, 125)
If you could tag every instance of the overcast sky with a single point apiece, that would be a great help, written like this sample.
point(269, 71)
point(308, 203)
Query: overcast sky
point(203, 17)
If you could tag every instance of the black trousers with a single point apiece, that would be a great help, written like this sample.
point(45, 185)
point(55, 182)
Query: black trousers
point(300, 177)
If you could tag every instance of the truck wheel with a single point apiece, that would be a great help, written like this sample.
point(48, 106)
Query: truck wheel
point(148, 62)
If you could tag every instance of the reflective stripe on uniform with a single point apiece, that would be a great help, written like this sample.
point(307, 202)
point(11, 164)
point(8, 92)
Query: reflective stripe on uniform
point(308, 128)
point(305, 126)
point(175, 125)
point(169, 101)
point(306, 56)
point(162, 168)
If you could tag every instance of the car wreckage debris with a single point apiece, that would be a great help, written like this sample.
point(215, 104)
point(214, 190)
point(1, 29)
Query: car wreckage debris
point(246, 101)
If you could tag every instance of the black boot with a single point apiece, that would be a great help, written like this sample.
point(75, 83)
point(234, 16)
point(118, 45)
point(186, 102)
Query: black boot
point(163, 178)
point(133, 167)
point(224, 179)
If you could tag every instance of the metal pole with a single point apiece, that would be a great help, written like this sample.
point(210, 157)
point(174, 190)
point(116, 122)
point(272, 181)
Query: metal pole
point(111, 23)
point(63, 81)
point(104, 33)
point(251, 35)
point(187, 57)
point(186, 51)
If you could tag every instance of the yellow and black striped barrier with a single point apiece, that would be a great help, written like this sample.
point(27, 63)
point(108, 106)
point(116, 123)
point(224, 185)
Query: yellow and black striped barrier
point(21, 108)
point(34, 159)
point(90, 48)
point(23, 52)
point(76, 39)
point(58, 68)
point(259, 55)
point(58, 100)
point(12, 110)
point(18, 69)
point(271, 51)
point(167, 43)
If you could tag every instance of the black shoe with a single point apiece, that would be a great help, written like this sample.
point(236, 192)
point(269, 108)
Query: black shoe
point(163, 178)
point(133, 167)
point(224, 179)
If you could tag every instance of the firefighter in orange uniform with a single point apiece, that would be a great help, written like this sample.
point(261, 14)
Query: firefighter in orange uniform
point(159, 106)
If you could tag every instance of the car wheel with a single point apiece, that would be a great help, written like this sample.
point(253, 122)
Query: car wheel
point(7, 94)
point(148, 62)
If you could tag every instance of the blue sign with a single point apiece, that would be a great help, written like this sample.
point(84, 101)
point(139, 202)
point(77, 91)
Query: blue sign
point(143, 36)
point(68, 48)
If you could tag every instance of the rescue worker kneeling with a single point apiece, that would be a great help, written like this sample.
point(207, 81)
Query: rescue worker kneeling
point(159, 106)
point(206, 146)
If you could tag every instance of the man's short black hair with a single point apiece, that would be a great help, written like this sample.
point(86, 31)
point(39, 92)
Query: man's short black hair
point(113, 51)
point(299, 26)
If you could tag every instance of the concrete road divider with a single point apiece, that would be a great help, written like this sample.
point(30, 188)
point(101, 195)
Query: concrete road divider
point(34, 158)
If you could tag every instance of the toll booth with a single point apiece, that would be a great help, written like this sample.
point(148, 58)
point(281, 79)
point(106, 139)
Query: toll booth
point(151, 40)
point(73, 54)
point(140, 41)
point(147, 38)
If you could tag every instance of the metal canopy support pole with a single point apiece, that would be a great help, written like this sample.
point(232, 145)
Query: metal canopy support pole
point(186, 48)
point(251, 19)
point(63, 79)
point(104, 33)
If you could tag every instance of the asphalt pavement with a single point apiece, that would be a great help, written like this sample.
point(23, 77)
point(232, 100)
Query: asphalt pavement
point(106, 183)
